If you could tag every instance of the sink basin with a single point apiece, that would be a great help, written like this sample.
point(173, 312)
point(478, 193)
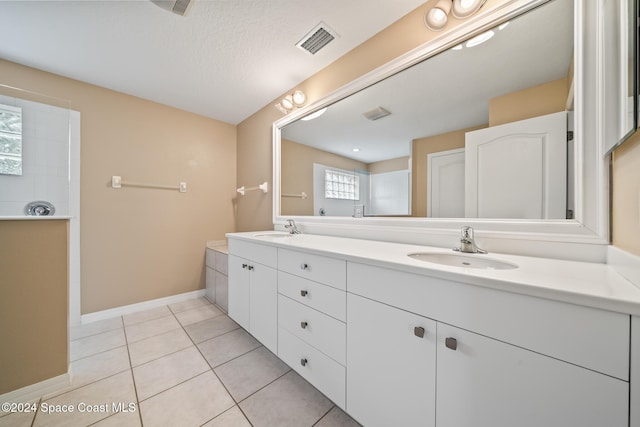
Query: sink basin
point(465, 261)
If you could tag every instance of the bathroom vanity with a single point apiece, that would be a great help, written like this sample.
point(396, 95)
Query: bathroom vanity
point(395, 340)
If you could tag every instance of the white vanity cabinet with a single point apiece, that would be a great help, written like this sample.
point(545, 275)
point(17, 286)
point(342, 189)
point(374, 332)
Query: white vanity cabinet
point(395, 345)
point(486, 382)
point(391, 365)
point(510, 360)
point(253, 290)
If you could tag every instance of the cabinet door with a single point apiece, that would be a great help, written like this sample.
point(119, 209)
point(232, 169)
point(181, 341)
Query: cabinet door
point(239, 290)
point(390, 369)
point(263, 305)
point(484, 382)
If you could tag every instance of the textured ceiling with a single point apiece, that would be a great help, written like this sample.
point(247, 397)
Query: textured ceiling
point(226, 59)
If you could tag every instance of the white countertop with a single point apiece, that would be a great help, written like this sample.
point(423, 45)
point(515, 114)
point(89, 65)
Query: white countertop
point(583, 283)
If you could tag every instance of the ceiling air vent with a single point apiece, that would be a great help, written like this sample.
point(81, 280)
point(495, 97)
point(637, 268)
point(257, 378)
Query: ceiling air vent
point(317, 38)
point(376, 113)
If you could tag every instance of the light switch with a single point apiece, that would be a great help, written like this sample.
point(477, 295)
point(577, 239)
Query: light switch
point(116, 182)
point(183, 187)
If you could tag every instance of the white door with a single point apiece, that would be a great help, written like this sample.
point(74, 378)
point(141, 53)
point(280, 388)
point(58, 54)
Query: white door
point(391, 363)
point(263, 305)
point(445, 189)
point(239, 291)
point(485, 382)
point(517, 170)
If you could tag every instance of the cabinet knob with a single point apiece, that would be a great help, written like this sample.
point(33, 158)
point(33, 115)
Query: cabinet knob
point(244, 265)
point(418, 331)
point(304, 266)
point(451, 343)
point(303, 362)
point(250, 267)
point(304, 325)
point(303, 293)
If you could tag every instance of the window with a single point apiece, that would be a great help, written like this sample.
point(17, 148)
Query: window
point(10, 140)
point(340, 185)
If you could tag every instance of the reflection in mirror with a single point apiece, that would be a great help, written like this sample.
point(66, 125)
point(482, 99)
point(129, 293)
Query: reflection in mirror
point(477, 131)
point(10, 140)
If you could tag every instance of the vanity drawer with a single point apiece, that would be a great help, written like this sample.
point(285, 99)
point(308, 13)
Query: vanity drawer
point(263, 254)
point(321, 371)
point(588, 337)
point(329, 271)
point(323, 298)
point(317, 329)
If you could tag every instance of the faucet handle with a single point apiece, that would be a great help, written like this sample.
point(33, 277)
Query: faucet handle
point(466, 233)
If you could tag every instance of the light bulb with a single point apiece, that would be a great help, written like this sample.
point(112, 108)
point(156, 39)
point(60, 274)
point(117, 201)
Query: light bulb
point(287, 102)
point(298, 98)
point(465, 8)
point(437, 17)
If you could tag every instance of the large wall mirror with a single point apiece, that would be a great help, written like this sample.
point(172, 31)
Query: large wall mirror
point(486, 125)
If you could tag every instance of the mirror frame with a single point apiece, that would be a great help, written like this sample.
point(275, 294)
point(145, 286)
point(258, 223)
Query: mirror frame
point(591, 216)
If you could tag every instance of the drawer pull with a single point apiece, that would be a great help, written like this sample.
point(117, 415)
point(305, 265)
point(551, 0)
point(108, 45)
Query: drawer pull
point(303, 362)
point(418, 331)
point(304, 266)
point(304, 325)
point(303, 293)
point(451, 343)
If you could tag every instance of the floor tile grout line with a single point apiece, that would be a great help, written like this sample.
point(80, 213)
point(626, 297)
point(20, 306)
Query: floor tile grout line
point(219, 379)
point(325, 414)
point(33, 420)
point(267, 385)
point(94, 334)
point(224, 412)
point(175, 385)
point(97, 353)
point(133, 378)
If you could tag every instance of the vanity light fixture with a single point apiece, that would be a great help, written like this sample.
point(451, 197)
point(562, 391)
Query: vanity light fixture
point(438, 16)
point(289, 102)
point(465, 8)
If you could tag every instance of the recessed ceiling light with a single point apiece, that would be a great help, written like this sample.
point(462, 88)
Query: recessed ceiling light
point(503, 26)
point(458, 47)
point(479, 39)
point(355, 150)
point(315, 114)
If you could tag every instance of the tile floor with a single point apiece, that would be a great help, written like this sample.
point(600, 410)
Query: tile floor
point(186, 364)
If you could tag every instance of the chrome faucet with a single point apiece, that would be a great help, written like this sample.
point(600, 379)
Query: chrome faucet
point(291, 226)
point(467, 242)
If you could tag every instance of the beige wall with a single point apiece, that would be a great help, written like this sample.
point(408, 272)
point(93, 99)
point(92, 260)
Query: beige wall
point(33, 302)
point(391, 165)
point(626, 196)
point(535, 101)
point(141, 244)
point(297, 174)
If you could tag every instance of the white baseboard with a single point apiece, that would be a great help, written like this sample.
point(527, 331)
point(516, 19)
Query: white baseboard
point(35, 391)
point(146, 305)
point(628, 265)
